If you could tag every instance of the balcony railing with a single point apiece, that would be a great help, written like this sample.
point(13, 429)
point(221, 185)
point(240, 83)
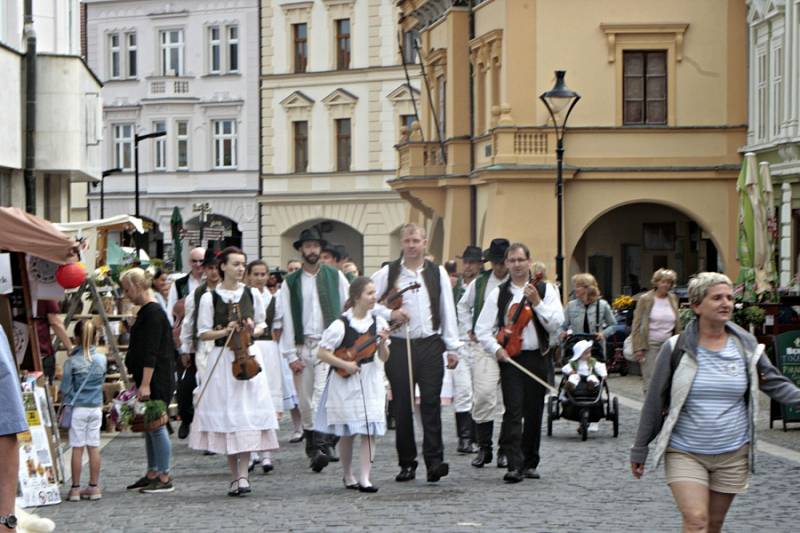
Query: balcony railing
point(168, 88)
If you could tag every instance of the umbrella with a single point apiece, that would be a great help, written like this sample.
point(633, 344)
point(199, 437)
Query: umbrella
point(771, 223)
point(26, 233)
point(176, 223)
point(745, 246)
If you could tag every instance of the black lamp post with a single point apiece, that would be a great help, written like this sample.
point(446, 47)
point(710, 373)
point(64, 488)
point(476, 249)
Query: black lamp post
point(136, 139)
point(559, 102)
point(102, 188)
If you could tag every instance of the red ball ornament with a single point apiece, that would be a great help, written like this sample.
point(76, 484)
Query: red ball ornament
point(71, 275)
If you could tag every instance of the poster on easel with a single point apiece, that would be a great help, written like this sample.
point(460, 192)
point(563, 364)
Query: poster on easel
point(38, 483)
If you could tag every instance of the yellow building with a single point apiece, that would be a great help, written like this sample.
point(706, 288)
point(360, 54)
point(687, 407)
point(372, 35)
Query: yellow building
point(651, 148)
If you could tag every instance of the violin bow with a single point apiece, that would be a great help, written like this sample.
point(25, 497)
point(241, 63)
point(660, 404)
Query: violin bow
point(530, 374)
point(208, 378)
point(366, 418)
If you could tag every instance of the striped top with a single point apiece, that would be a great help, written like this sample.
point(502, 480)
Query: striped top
point(714, 418)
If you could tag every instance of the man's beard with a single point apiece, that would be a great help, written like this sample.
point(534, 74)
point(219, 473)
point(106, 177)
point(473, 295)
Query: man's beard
point(311, 259)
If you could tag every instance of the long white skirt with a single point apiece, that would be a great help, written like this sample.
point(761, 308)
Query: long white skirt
point(273, 369)
point(341, 410)
point(233, 416)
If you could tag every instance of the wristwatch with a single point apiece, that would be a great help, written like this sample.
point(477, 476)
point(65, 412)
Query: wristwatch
point(10, 521)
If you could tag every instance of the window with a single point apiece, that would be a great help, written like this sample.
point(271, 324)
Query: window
point(343, 144)
point(131, 42)
point(777, 88)
point(761, 93)
point(116, 56)
point(182, 136)
point(224, 143)
point(160, 146)
point(406, 121)
point(123, 146)
point(409, 47)
point(300, 128)
point(442, 98)
point(214, 53)
point(300, 33)
point(644, 89)
point(233, 49)
point(171, 52)
point(342, 44)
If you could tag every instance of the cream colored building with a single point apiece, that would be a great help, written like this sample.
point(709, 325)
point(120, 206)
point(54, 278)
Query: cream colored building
point(334, 97)
point(651, 148)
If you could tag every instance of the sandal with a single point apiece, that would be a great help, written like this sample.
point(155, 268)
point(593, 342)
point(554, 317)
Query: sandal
point(351, 486)
point(246, 489)
point(234, 489)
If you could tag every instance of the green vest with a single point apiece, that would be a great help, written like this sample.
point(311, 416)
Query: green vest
point(458, 290)
point(480, 295)
point(328, 292)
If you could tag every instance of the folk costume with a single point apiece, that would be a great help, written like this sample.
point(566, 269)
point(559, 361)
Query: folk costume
point(432, 329)
point(523, 397)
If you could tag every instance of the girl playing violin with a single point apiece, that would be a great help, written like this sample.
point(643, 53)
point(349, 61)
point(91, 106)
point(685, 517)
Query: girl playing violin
point(234, 414)
point(354, 397)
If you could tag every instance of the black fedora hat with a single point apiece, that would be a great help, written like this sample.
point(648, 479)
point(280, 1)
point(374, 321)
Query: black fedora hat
point(497, 250)
point(211, 258)
point(310, 234)
point(334, 250)
point(472, 253)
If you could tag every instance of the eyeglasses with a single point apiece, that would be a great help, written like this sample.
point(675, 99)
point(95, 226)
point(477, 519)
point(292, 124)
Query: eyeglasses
point(197, 261)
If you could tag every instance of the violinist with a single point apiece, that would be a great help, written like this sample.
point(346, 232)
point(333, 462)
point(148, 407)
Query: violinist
point(429, 329)
point(353, 404)
point(234, 414)
point(523, 397)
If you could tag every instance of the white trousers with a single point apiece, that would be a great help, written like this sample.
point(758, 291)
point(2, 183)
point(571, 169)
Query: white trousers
point(310, 382)
point(487, 396)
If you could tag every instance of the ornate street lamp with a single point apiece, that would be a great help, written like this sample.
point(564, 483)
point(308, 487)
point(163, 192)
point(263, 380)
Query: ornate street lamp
point(559, 102)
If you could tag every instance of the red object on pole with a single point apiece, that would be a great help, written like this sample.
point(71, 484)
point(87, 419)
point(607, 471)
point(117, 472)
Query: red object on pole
point(71, 275)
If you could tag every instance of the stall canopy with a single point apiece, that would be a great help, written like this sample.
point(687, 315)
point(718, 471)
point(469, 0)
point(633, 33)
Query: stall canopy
point(94, 232)
point(23, 232)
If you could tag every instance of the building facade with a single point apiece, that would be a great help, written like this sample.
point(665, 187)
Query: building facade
point(651, 148)
point(64, 126)
point(774, 121)
point(189, 69)
point(335, 97)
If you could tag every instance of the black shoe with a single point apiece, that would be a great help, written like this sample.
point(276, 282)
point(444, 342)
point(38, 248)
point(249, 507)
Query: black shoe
point(183, 431)
point(267, 468)
point(390, 423)
point(158, 486)
point(407, 473)
point(141, 483)
point(208, 452)
point(297, 436)
point(465, 446)
point(246, 489)
point(234, 489)
point(465, 433)
point(502, 459)
point(330, 448)
point(484, 457)
point(368, 488)
point(513, 476)
point(352, 486)
point(437, 472)
point(252, 465)
point(531, 473)
point(319, 461)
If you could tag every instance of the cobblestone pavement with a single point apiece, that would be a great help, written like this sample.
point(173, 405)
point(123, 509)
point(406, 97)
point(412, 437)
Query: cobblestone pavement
point(586, 486)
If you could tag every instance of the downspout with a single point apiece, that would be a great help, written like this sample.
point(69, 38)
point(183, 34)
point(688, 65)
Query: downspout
point(473, 189)
point(30, 109)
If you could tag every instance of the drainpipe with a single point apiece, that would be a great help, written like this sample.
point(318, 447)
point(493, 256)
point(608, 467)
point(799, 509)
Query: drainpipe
point(30, 109)
point(473, 189)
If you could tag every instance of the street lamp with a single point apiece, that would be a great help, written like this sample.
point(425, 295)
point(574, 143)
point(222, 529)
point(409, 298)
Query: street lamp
point(102, 188)
point(136, 139)
point(559, 102)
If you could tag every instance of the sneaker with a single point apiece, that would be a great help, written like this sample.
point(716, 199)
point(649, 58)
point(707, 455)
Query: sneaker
point(594, 427)
point(141, 483)
point(158, 486)
point(74, 494)
point(91, 493)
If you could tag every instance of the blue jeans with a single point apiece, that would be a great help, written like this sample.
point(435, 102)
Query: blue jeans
point(159, 450)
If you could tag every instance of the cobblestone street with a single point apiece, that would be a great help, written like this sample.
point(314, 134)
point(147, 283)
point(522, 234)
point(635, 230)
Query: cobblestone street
point(569, 497)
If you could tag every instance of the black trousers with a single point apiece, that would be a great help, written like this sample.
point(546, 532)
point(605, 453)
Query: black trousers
point(524, 399)
point(428, 370)
point(187, 382)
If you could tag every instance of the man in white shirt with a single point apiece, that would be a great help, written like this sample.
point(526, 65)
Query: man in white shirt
point(523, 396)
point(487, 396)
point(430, 318)
point(186, 285)
point(312, 297)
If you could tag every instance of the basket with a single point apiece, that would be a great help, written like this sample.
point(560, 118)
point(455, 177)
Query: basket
point(138, 424)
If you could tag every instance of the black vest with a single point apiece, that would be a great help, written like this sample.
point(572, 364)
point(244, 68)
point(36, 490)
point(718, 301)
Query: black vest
point(267, 335)
point(433, 282)
point(222, 311)
point(182, 286)
point(503, 301)
point(351, 336)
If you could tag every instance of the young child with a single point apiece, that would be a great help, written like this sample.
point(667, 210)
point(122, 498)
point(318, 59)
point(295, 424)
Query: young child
point(583, 364)
point(354, 405)
point(82, 387)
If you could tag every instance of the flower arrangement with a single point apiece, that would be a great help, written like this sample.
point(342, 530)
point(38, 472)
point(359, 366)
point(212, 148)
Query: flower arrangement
point(752, 314)
point(623, 302)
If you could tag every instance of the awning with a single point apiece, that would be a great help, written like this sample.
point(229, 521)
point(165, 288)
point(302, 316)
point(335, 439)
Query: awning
point(94, 232)
point(26, 233)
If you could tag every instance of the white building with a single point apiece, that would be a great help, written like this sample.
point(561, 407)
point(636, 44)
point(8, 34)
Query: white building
point(334, 98)
point(190, 69)
point(774, 119)
point(66, 127)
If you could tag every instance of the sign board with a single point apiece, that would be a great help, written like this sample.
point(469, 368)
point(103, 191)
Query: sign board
point(787, 359)
point(38, 483)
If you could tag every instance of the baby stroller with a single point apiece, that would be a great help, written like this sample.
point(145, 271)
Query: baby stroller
point(583, 404)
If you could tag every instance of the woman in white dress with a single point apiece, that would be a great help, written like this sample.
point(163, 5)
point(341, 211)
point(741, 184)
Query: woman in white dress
point(355, 404)
point(232, 417)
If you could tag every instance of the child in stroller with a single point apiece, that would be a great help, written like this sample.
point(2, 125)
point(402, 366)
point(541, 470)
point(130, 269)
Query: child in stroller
point(583, 370)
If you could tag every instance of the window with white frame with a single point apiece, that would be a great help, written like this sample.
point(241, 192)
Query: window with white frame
point(115, 56)
point(123, 146)
point(160, 146)
point(122, 52)
point(233, 49)
point(223, 49)
point(130, 41)
point(224, 143)
point(762, 93)
point(777, 86)
point(171, 52)
point(215, 50)
point(182, 137)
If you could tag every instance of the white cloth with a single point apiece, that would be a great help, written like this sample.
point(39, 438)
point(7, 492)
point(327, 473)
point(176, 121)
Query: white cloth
point(418, 305)
point(233, 416)
point(273, 361)
point(313, 323)
point(310, 382)
point(466, 304)
point(583, 370)
point(187, 326)
point(85, 427)
point(487, 393)
point(549, 311)
point(172, 297)
point(662, 320)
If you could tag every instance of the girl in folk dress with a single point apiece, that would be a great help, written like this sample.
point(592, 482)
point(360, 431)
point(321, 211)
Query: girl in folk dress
point(232, 417)
point(354, 405)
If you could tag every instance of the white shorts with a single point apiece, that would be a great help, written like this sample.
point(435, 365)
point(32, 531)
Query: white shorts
point(85, 428)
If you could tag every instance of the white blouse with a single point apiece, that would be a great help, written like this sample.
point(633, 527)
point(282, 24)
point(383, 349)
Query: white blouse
point(334, 334)
point(205, 318)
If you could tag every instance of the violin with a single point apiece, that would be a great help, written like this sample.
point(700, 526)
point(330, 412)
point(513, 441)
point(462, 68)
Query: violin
point(510, 335)
point(394, 296)
point(362, 351)
point(244, 364)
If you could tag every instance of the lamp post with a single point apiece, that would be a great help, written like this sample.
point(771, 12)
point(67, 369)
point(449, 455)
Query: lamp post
point(136, 139)
point(102, 188)
point(559, 102)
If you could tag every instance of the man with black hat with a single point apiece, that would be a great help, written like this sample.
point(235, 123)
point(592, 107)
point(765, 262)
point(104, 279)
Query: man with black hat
point(487, 397)
point(330, 255)
point(312, 297)
point(188, 359)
